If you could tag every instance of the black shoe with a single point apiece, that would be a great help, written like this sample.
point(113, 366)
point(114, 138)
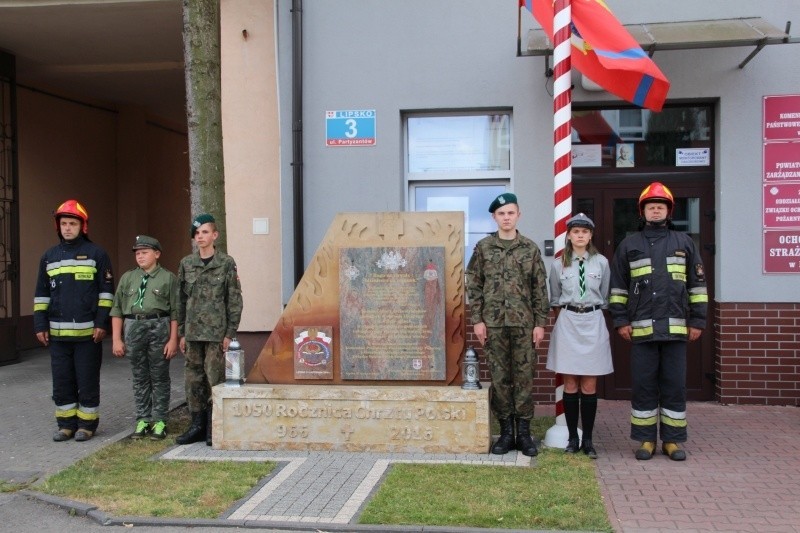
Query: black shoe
point(525, 442)
point(196, 431)
point(506, 441)
point(588, 449)
point(62, 434)
point(572, 446)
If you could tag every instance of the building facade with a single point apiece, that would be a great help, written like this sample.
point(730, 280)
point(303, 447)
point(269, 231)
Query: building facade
point(360, 105)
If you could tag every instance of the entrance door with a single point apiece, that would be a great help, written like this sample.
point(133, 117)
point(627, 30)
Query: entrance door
point(613, 207)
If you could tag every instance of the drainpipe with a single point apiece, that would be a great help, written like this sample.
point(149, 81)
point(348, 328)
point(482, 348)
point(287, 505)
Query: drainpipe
point(297, 137)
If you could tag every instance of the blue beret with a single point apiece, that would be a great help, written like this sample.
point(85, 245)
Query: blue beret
point(199, 220)
point(580, 220)
point(143, 241)
point(503, 199)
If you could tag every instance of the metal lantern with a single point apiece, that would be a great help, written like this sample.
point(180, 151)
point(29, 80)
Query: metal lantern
point(234, 364)
point(469, 370)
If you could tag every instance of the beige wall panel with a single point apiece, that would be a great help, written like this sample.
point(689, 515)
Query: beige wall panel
point(252, 156)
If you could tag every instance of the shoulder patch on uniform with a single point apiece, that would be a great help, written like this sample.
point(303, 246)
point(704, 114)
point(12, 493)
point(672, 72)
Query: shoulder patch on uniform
point(108, 275)
point(698, 271)
point(680, 253)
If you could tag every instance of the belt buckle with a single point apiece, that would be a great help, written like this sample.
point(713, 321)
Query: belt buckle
point(581, 308)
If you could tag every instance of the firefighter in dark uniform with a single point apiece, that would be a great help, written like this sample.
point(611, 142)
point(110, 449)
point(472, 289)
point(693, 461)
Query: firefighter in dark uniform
point(74, 293)
point(658, 302)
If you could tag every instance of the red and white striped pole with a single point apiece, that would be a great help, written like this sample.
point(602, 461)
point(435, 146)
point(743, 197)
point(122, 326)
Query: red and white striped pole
point(557, 436)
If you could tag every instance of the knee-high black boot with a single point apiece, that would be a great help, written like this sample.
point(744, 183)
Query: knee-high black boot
point(525, 442)
point(506, 440)
point(196, 431)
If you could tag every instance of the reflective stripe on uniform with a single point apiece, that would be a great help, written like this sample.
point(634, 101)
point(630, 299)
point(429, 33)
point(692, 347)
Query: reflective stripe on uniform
point(644, 418)
point(640, 268)
point(72, 266)
point(66, 411)
point(71, 329)
point(677, 326)
point(675, 260)
point(618, 296)
point(88, 413)
point(677, 276)
point(642, 328)
point(698, 295)
point(41, 303)
point(675, 419)
point(106, 299)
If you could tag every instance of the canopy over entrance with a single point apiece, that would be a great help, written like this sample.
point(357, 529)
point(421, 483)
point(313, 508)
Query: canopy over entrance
point(687, 35)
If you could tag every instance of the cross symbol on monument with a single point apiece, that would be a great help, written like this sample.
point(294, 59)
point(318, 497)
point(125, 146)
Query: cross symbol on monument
point(347, 430)
point(390, 226)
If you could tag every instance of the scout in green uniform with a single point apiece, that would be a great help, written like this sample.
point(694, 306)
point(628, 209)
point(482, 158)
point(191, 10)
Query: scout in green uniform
point(209, 310)
point(506, 284)
point(144, 319)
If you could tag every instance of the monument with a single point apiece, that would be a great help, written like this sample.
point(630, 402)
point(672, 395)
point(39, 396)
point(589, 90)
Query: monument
point(366, 356)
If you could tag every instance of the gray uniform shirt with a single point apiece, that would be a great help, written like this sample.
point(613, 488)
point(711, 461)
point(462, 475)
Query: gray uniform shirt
point(563, 282)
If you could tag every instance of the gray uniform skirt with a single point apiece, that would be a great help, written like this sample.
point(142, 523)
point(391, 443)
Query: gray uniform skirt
point(580, 345)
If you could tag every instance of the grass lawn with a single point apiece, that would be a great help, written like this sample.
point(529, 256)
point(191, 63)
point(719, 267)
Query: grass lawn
point(560, 492)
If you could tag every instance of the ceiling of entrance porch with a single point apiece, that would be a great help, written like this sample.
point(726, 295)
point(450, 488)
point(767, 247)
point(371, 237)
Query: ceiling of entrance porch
point(101, 51)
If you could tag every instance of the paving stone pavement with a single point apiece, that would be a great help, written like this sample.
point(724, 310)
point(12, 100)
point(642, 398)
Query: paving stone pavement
point(742, 473)
point(323, 487)
point(28, 415)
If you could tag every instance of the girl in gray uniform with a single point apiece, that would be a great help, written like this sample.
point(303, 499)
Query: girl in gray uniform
point(579, 344)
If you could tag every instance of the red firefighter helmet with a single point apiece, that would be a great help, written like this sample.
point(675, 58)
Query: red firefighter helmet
point(73, 208)
point(656, 192)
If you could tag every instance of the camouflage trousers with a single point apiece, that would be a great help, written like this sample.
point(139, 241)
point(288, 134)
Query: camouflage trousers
point(144, 344)
point(512, 363)
point(205, 367)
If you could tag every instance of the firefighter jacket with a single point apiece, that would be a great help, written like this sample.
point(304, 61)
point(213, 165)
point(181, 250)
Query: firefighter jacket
point(74, 291)
point(507, 285)
point(658, 285)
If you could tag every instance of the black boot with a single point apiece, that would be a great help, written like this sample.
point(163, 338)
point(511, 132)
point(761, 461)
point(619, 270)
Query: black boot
point(209, 442)
point(196, 431)
point(525, 442)
point(506, 440)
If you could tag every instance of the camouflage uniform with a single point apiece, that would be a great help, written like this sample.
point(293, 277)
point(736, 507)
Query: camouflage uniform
point(146, 331)
point(506, 285)
point(209, 310)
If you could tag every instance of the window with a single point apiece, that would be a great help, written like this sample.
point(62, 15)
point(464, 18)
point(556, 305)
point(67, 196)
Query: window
point(644, 138)
point(459, 162)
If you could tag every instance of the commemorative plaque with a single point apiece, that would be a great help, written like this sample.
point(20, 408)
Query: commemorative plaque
point(391, 312)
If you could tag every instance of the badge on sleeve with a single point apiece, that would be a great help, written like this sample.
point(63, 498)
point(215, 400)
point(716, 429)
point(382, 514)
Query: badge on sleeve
point(699, 273)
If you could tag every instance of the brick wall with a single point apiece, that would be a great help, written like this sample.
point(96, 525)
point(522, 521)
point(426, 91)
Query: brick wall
point(758, 353)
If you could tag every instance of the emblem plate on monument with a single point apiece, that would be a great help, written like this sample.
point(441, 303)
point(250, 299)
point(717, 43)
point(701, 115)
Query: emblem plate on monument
point(313, 355)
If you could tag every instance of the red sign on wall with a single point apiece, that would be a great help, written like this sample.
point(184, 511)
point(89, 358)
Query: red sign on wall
point(782, 251)
point(782, 117)
point(782, 205)
point(781, 161)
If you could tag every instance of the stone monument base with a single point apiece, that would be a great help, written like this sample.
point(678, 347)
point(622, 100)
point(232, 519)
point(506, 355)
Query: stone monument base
point(425, 419)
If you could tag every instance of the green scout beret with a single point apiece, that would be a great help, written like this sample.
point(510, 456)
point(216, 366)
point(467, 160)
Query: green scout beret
point(503, 199)
point(580, 220)
point(143, 241)
point(199, 220)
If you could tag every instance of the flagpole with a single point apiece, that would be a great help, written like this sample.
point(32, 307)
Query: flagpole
point(557, 435)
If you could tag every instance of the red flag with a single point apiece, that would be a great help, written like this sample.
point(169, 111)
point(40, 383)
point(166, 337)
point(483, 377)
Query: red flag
point(604, 51)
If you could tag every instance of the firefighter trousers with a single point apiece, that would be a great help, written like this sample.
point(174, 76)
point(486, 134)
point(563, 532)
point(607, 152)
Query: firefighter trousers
point(76, 383)
point(658, 382)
